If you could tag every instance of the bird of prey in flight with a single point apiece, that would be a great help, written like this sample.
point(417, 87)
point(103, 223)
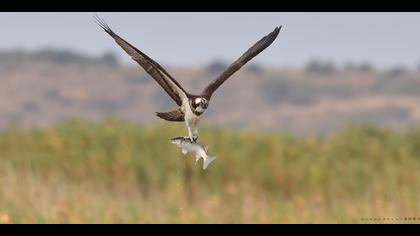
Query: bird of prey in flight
point(191, 107)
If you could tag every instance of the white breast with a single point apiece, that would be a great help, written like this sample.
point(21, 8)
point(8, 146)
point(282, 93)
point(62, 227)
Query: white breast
point(190, 117)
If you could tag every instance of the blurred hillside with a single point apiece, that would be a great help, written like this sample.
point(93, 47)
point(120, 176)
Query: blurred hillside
point(43, 87)
point(125, 170)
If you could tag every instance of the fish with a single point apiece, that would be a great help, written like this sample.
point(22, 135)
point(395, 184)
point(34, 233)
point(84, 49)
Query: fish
point(187, 145)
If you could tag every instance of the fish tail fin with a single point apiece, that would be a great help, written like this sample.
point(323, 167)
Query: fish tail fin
point(207, 161)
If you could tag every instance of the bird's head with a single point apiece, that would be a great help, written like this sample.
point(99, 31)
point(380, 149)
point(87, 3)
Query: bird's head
point(200, 104)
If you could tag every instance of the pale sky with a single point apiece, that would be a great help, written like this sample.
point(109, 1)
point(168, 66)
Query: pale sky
point(384, 39)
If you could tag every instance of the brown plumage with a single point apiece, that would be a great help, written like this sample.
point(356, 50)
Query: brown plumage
point(173, 88)
point(149, 65)
point(236, 65)
point(176, 115)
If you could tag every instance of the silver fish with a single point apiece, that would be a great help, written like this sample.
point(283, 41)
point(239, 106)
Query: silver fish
point(188, 146)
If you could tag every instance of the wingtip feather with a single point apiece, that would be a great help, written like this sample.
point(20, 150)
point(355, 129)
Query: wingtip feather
point(277, 30)
point(102, 24)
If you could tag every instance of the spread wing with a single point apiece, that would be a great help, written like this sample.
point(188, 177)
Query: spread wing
point(169, 84)
point(235, 66)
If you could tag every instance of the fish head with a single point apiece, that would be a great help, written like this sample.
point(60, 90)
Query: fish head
point(177, 141)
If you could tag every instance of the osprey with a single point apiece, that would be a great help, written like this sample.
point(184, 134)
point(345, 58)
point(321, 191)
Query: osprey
point(191, 107)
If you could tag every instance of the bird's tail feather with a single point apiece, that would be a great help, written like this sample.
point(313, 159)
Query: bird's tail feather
point(176, 115)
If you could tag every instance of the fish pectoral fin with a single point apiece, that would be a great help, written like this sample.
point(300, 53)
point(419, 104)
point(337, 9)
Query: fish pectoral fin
point(197, 157)
point(184, 151)
point(207, 161)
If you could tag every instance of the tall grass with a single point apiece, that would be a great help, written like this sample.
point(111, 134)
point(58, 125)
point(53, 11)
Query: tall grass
point(117, 172)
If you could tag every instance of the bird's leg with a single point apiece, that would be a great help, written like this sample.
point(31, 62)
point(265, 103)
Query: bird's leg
point(191, 126)
point(195, 131)
point(190, 135)
point(195, 134)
